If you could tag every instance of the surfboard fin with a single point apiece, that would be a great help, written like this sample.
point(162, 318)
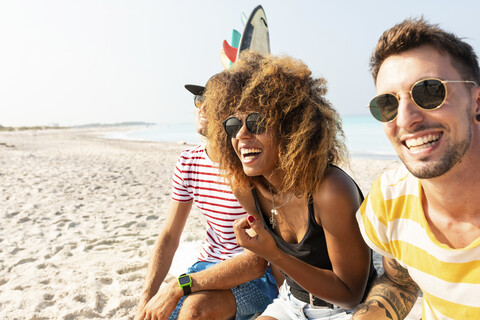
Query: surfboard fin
point(235, 38)
point(224, 59)
point(230, 51)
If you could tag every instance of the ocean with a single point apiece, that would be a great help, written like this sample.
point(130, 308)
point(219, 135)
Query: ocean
point(364, 136)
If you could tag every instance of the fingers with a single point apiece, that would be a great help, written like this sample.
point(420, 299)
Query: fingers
point(140, 316)
point(245, 231)
point(255, 223)
point(240, 224)
point(239, 227)
point(244, 225)
point(141, 313)
point(251, 232)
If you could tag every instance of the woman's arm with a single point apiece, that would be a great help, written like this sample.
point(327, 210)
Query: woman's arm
point(335, 206)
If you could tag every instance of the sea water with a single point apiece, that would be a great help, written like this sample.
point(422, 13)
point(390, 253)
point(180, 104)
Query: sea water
point(364, 136)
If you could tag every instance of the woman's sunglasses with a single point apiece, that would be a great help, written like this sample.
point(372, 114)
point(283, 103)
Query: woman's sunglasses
point(198, 100)
point(253, 122)
point(428, 94)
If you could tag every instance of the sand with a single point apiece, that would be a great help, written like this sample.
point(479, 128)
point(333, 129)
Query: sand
point(78, 218)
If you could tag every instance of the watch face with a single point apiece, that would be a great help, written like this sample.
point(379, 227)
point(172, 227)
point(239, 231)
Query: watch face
point(184, 280)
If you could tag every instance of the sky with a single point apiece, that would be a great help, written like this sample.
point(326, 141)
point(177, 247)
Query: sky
point(65, 62)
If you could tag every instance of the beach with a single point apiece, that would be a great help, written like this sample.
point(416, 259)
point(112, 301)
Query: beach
point(79, 215)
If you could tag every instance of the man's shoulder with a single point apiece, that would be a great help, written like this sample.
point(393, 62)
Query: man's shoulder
point(195, 160)
point(392, 196)
point(395, 194)
point(193, 151)
point(193, 155)
point(396, 182)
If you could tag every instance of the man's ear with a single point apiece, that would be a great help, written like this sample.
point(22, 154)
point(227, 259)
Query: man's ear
point(476, 110)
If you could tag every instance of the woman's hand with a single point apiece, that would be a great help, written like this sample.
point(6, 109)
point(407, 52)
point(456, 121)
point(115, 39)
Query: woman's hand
point(252, 235)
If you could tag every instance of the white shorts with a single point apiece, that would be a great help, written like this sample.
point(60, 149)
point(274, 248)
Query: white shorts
point(287, 307)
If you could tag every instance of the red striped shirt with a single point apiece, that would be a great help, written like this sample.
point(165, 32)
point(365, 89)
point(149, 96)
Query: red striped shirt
point(197, 177)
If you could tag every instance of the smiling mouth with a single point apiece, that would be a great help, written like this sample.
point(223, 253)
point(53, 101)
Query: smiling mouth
point(250, 153)
point(422, 142)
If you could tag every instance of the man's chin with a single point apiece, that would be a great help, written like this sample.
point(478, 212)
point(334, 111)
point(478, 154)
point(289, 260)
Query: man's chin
point(427, 170)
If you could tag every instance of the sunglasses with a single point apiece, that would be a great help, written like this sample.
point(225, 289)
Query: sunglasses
point(253, 122)
point(427, 94)
point(198, 100)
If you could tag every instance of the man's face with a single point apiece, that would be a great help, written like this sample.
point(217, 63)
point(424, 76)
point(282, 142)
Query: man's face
point(202, 120)
point(429, 143)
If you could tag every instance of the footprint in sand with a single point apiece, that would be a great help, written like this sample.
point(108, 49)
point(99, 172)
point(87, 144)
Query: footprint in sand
point(125, 307)
point(105, 280)
point(132, 268)
point(100, 302)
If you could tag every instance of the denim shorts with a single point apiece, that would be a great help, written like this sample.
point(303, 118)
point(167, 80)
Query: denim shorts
point(287, 307)
point(251, 297)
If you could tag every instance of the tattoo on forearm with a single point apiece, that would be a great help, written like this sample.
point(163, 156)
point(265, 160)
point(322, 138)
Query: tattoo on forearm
point(366, 307)
point(397, 293)
point(394, 303)
point(387, 314)
point(402, 273)
point(408, 289)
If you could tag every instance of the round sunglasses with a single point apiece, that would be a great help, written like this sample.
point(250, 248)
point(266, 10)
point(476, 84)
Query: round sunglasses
point(253, 122)
point(198, 100)
point(427, 94)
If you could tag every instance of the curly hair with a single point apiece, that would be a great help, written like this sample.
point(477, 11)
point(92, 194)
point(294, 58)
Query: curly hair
point(307, 128)
point(414, 33)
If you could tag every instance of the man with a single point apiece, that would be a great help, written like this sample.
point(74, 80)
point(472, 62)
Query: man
point(424, 217)
point(225, 290)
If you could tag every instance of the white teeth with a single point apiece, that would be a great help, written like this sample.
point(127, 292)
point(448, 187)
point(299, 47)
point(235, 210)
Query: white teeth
point(251, 150)
point(425, 141)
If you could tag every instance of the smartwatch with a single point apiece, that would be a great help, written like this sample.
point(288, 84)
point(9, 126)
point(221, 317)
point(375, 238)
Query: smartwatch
point(185, 282)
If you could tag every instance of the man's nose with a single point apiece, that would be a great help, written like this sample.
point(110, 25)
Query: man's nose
point(408, 113)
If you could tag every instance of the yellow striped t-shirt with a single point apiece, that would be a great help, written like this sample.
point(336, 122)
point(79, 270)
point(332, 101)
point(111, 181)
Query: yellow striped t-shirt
point(393, 223)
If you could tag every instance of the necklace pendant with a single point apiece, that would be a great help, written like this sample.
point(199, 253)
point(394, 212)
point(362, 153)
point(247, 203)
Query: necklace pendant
point(274, 211)
point(272, 221)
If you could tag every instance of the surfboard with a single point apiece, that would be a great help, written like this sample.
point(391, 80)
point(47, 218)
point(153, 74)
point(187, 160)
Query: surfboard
point(230, 51)
point(255, 34)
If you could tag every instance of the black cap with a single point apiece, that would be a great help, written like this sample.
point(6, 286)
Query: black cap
point(196, 90)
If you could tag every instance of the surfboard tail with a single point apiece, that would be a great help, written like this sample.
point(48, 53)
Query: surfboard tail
point(255, 35)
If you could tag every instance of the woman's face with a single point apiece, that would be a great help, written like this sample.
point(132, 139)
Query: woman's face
point(258, 153)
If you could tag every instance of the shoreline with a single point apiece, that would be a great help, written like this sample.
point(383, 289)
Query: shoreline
point(185, 132)
point(79, 215)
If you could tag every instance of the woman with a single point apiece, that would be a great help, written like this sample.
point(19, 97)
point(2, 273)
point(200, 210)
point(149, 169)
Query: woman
point(279, 143)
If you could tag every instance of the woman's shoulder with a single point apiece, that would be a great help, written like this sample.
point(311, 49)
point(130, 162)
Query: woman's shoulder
point(335, 179)
point(337, 187)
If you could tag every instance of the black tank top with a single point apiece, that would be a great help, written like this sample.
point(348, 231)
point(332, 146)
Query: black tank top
point(312, 249)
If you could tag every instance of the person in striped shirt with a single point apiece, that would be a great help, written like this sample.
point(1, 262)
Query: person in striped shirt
point(424, 217)
point(225, 282)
